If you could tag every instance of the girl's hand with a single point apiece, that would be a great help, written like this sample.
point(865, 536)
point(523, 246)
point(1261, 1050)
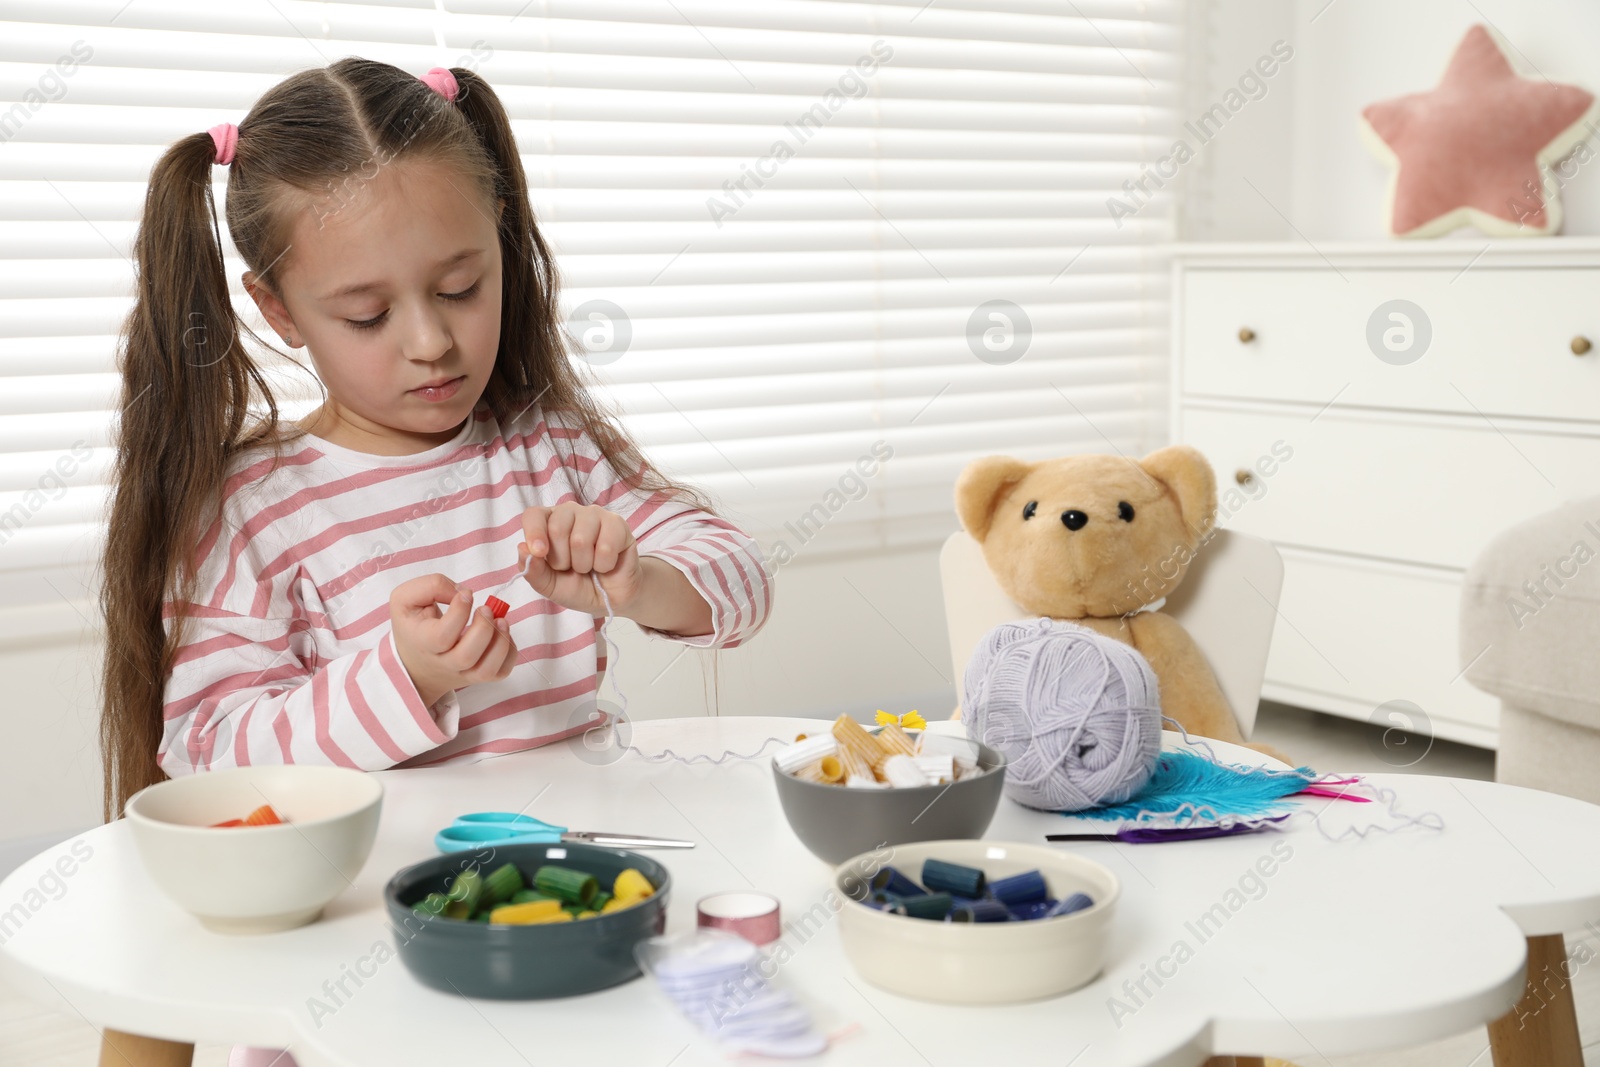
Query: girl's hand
point(568, 543)
point(447, 651)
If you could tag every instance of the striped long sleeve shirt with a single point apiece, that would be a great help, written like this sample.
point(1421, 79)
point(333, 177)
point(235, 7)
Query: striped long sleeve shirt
point(289, 655)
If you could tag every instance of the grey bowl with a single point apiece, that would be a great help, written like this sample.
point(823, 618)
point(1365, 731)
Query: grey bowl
point(505, 962)
point(836, 822)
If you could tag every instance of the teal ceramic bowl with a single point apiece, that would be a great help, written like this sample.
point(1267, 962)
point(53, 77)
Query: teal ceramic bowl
point(538, 962)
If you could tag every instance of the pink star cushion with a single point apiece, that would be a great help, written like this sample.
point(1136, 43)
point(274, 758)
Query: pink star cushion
point(1475, 150)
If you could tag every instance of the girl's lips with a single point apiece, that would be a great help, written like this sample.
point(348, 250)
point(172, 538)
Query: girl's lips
point(440, 392)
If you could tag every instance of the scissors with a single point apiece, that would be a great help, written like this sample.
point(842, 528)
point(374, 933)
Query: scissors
point(1149, 835)
point(484, 829)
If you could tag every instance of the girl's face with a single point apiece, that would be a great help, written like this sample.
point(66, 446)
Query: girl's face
point(394, 287)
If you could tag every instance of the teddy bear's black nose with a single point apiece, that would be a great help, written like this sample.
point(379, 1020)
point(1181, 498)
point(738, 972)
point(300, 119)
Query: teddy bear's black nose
point(1074, 520)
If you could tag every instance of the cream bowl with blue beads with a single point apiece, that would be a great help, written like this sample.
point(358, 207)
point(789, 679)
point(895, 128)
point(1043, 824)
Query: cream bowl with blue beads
point(978, 963)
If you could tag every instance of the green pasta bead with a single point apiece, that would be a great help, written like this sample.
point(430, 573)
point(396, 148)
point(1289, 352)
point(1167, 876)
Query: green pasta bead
point(467, 887)
point(574, 909)
point(565, 884)
point(432, 904)
point(481, 917)
point(502, 884)
point(457, 909)
point(527, 896)
point(600, 900)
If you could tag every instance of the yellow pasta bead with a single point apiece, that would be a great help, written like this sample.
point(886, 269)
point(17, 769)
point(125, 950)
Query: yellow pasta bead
point(630, 885)
point(531, 912)
point(616, 904)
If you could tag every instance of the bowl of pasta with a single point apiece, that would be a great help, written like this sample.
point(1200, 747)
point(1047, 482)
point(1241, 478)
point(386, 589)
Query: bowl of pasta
point(253, 850)
point(849, 789)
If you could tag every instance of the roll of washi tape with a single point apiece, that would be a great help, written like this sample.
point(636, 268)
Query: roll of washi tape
point(753, 916)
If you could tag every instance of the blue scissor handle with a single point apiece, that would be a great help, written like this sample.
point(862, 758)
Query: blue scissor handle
point(482, 828)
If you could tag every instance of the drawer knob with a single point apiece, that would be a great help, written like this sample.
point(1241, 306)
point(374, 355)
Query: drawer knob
point(1243, 476)
point(1246, 335)
point(1580, 345)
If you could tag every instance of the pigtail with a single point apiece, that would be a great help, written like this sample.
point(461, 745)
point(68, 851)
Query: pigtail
point(186, 388)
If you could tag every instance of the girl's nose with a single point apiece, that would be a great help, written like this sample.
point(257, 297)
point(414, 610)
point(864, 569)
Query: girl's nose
point(427, 336)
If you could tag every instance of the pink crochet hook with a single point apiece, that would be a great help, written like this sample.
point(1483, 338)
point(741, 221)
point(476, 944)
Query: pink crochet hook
point(1320, 789)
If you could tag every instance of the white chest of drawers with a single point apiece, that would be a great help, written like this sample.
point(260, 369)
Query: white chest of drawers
point(1380, 445)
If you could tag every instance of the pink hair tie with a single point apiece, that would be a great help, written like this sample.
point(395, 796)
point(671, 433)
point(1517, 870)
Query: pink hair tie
point(441, 81)
point(225, 137)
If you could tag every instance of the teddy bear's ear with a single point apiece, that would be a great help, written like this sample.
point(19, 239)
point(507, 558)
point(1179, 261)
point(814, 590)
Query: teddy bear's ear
point(1186, 473)
point(980, 485)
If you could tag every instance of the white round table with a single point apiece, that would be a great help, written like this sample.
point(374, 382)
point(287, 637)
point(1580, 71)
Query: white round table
point(1284, 944)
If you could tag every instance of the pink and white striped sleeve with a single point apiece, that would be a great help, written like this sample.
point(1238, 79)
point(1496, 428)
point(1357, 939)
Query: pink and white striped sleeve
point(242, 691)
point(723, 564)
point(238, 695)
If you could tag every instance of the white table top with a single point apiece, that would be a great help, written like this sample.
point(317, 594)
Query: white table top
point(1379, 942)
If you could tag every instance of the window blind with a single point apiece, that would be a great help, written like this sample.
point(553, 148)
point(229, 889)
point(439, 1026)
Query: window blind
point(821, 254)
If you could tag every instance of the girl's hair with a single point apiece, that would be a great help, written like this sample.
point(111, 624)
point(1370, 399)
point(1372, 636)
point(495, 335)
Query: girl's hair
point(189, 385)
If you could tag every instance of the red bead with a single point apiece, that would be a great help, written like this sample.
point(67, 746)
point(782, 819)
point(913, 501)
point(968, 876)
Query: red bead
point(497, 607)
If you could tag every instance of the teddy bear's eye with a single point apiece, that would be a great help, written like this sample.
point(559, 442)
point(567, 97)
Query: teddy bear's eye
point(1027, 512)
point(1124, 511)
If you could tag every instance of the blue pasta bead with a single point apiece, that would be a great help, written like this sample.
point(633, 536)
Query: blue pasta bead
point(1037, 909)
point(1076, 902)
point(891, 880)
point(980, 911)
point(925, 906)
point(883, 900)
point(952, 878)
point(1025, 888)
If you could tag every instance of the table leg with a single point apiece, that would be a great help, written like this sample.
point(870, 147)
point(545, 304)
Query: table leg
point(1542, 1030)
point(118, 1049)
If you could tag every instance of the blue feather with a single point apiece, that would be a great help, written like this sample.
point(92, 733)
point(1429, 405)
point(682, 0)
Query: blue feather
point(1187, 781)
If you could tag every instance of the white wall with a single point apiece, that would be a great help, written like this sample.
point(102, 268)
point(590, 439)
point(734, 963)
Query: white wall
point(1298, 144)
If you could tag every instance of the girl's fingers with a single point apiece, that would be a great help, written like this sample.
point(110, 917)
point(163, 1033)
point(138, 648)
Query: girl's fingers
point(559, 531)
point(612, 542)
point(488, 665)
point(455, 619)
point(474, 640)
point(534, 532)
point(511, 657)
point(585, 532)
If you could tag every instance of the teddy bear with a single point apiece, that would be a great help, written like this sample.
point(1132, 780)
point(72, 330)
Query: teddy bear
point(1101, 540)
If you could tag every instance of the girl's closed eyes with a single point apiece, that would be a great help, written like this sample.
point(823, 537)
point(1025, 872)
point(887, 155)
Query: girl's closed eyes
point(377, 320)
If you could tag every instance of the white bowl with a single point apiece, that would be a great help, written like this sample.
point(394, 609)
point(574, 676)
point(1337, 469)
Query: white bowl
point(979, 963)
point(256, 879)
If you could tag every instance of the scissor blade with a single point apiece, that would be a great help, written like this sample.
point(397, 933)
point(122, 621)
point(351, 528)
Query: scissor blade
point(594, 837)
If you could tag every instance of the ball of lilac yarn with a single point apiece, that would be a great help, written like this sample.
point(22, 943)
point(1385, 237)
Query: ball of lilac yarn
point(1077, 714)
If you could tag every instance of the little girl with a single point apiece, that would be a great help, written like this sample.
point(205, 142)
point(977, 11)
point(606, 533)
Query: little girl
point(272, 591)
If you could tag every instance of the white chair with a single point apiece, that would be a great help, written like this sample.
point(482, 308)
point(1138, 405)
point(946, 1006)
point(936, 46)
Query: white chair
point(1228, 602)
